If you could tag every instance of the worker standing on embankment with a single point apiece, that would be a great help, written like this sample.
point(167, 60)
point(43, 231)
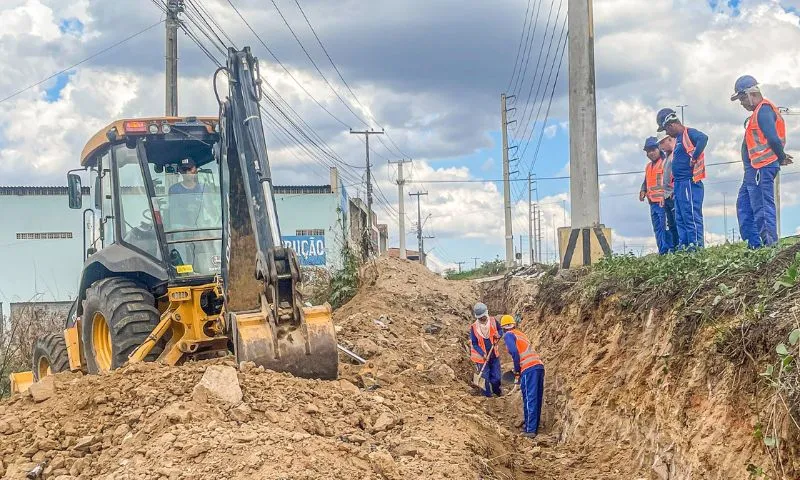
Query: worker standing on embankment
point(667, 145)
point(528, 373)
point(763, 155)
point(657, 189)
point(484, 334)
point(689, 170)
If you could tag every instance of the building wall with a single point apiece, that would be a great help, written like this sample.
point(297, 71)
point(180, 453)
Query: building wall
point(44, 269)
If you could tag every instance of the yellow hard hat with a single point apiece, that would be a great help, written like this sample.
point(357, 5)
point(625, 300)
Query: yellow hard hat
point(507, 320)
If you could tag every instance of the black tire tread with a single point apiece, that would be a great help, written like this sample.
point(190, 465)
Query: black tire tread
point(130, 312)
point(53, 347)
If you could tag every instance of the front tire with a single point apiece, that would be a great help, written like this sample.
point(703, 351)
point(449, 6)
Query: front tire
point(118, 315)
point(49, 356)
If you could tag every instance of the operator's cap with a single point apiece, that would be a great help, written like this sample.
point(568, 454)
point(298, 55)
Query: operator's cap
point(744, 84)
point(650, 143)
point(480, 310)
point(187, 163)
point(664, 117)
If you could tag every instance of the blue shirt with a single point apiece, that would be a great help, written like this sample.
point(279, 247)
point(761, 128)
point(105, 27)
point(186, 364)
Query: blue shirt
point(767, 122)
point(681, 168)
point(483, 345)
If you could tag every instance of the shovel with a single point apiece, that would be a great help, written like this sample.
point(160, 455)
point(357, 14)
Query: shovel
point(478, 381)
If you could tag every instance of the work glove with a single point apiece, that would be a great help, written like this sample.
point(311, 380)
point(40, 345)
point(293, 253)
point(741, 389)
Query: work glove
point(516, 378)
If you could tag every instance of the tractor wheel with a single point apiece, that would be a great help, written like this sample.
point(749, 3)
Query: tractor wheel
point(118, 315)
point(49, 356)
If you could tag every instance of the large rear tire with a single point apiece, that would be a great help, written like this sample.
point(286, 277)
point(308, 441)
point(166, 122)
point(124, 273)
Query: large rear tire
point(118, 315)
point(49, 356)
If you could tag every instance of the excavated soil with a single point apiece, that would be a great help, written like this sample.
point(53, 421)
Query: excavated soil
point(408, 414)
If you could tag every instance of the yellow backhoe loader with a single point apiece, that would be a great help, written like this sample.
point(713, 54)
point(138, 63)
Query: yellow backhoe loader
point(190, 263)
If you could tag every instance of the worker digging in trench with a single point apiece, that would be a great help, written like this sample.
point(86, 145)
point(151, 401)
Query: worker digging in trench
point(485, 335)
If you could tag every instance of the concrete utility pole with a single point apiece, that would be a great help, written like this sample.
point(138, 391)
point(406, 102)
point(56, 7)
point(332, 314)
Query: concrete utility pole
point(530, 220)
point(476, 261)
point(506, 184)
point(401, 206)
point(419, 225)
point(682, 107)
point(174, 7)
point(459, 266)
point(366, 134)
point(540, 235)
point(725, 214)
point(584, 186)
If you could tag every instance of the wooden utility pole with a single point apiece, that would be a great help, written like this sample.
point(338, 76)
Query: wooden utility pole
point(419, 225)
point(459, 266)
point(174, 7)
point(401, 206)
point(476, 261)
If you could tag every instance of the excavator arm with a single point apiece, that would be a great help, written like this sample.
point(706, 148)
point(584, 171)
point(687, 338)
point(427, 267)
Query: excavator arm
point(260, 277)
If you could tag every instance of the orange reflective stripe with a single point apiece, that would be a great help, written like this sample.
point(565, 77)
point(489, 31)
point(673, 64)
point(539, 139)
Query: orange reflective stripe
point(699, 169)
point(758, 148)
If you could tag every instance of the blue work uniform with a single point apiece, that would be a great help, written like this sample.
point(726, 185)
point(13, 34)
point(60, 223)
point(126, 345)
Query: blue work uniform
point(480, 348)
point(755, 205)
point(531, 377)
point(688, 193)
point(662, 217)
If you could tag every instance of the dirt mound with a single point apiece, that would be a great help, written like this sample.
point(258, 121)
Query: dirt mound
point(416, 419)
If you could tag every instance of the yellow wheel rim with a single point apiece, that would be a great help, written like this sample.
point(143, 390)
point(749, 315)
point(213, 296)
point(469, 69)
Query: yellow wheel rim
point(101, 341)
point(44, 368)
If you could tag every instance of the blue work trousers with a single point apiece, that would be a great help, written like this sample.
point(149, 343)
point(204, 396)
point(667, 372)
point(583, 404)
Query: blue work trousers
point(531, 382)
point(660, 218)
point(755, 206)
point(492, 374)
point(672, 228)
point(689, 213)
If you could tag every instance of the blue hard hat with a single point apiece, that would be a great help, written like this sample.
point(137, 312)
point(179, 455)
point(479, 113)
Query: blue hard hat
point(665, 116)
point(742, 84)
point(651, 142)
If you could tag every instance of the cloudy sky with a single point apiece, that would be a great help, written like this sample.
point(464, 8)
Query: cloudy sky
point(431, 73)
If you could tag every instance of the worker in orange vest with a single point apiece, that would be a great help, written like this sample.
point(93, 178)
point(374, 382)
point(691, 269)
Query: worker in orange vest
point(763, 154)
point(688, 170)
point(657, 189)
point(528, 373)
point(484, 333)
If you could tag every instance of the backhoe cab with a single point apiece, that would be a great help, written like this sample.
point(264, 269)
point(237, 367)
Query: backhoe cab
point(186, 260)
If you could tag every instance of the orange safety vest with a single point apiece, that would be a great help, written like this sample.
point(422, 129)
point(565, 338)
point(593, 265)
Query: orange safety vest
point(654, 178)
point(699, 169)
point(494, 336)
point(758, 149)
point(527, 357)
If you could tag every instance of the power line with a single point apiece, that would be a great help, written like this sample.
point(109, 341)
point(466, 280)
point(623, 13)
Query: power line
point(95, 55)
point(519, 47)
point(319, 41)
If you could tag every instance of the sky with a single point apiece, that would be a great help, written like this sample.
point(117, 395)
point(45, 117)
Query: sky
point(431, 74)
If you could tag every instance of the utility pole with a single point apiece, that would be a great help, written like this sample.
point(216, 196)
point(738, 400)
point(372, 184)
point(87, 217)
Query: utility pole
point(459, 265)
point(401, 206)
point(476, 261)
point(174, 7)
point(682, 107)
point(419, 225)
point(506, 184)
point(584, 185)
point(424, 256)
point(725, 214)
point(530, 219)
point(539, 228)
point(366, 134)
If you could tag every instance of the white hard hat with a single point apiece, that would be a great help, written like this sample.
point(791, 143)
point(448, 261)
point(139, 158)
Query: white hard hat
point(662, 136)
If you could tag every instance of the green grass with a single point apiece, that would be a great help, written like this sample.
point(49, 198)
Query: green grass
point(487, 269)
point(681, 274)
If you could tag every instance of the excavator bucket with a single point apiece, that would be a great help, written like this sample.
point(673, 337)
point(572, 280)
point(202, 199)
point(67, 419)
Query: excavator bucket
point(308, 350)
point(21, 381)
